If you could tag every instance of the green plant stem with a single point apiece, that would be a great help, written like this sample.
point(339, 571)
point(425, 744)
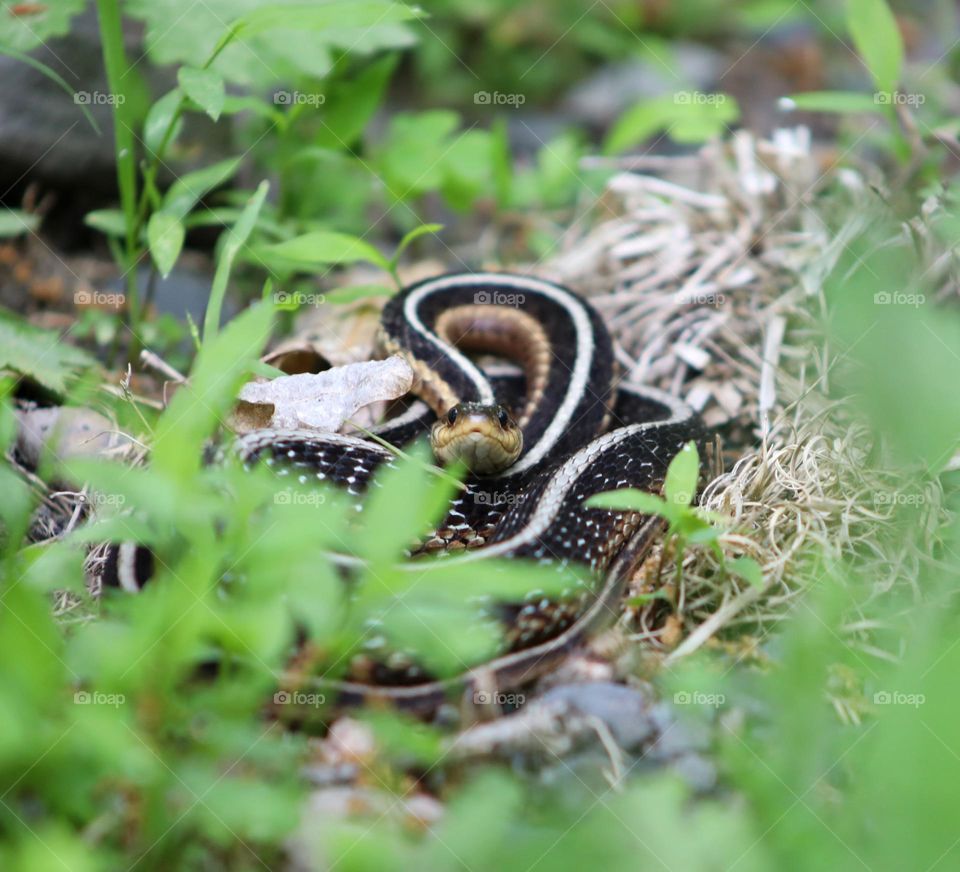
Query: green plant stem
point(115, 63)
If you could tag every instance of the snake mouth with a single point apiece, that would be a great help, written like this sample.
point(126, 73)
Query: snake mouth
point(483, 437)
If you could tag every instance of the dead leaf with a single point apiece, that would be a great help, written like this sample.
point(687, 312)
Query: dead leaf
point(321, 401)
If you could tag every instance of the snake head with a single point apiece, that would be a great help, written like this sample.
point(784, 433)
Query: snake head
point(484, 437)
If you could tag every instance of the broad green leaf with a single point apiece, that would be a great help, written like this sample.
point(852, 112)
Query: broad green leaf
point(447, 636)
point(198, 407)
point(159, 117)
point(502, 579)
point(398, 511)
point(236, 238)
point(43, 355)
point(831, 101)
point(187, 191)
point(109, 221)
point(748, 569)
point(296, 45)
point(323, 248)
point(165, 235)
point(345, 13)
point(686, 117)
point(358, 292)
point(35, 23)
point(14, 222)
point(205, 87)
point(878, 41)
point(350, 105)
point(412, 154)
point(680, 486)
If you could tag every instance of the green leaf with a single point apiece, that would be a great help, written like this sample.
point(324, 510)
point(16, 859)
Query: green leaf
point(165, 235)
point(358, 292)
point(33, 26)
point(680, 485)
point(57, 79)
point(408, 500)
point(878, 41)
point(830, 101)
point(346, 13)
point(236, 238)
point(187, 191)
point(351, 104)
point(42, 355)
point(159, 117)
point(14, 222)
point(416, 233)
point(411, 156)
point(195, 410)
point(627, 499)
point(686, 117)
point(324, 248)
point(109, 221)
point(292, 51)
point(205, 87)
point(749, 570)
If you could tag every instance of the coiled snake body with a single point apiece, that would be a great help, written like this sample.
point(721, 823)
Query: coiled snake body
point(582, 434)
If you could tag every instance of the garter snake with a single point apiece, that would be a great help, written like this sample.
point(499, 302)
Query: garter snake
point(569, 431)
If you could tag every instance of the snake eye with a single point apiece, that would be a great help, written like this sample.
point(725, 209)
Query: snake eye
point(452, 416)
point(503, 417)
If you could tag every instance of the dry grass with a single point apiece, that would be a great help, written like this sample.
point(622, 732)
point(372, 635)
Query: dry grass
point(709, 275)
